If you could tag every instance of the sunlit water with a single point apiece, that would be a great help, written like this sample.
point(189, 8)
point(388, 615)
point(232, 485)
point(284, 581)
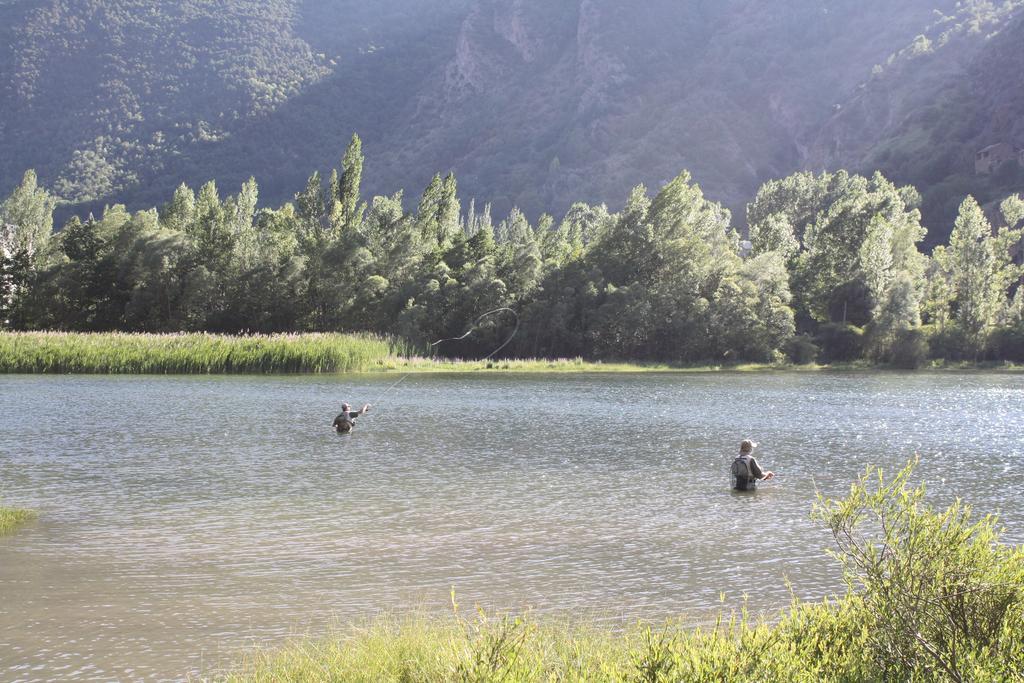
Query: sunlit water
point(184, 520)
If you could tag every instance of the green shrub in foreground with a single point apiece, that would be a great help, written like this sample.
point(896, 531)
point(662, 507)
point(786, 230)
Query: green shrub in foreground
point(12, 518)
point(943, 598)
point(116, 353)
point(932, 597)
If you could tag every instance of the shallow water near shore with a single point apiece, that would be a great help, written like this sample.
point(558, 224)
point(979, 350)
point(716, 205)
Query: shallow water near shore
point(184, 520)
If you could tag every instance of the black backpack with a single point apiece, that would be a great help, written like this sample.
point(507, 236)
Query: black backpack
point(741, 467)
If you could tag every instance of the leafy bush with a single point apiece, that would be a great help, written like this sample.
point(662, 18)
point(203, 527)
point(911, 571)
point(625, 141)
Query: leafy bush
point(952, 343)
point(1007, 343)
point(840, 343)
point(801, 350)
point(942, 598)
point(909, 350)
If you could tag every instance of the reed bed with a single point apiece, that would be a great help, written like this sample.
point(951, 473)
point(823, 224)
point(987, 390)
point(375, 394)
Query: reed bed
point(12, 518)
point(118, 353)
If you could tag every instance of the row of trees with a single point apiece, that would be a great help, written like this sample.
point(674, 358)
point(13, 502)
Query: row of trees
point(832, 270)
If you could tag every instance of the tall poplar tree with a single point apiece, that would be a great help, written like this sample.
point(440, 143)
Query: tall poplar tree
point(972, 264)
point(349, 184)
point(180, 213)
point(28, 215)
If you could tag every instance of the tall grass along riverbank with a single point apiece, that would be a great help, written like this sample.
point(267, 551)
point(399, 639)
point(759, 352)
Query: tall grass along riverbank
point(12, 518)
point(115, 353)
point(933, 596)
point(200, 353)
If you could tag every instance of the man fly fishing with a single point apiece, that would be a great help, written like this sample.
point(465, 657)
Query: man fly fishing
point(745, 469)
point(346, 420)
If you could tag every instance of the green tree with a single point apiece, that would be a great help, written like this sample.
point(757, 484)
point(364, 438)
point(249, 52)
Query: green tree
point(1012, 209)
point(428, 209)
point(312, 210)
point(583, 224)
point(520, 258)
point(244, 236)
point(449, 211)
point(348, 190)
point(438, 216)
point(939, 291)
point(180, 214)
point(855, 247)
point(27, 215)
point(975, 285)
point(774, 234)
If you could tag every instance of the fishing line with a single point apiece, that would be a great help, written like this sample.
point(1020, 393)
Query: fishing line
point(476, 323)
point(472, 329)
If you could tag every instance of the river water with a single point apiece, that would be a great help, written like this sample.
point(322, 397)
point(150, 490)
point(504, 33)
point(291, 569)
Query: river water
point(184, 520)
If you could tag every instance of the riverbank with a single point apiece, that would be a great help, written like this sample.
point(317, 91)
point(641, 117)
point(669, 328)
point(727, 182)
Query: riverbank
point(13, 518)
point(934, 596)
point(416, 365)
point(204, 354)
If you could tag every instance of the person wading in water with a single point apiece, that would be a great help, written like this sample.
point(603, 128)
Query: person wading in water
point(344, 423)
point(745, 470)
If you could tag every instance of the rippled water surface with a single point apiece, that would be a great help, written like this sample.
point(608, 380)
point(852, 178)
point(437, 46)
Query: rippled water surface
point(186, 519)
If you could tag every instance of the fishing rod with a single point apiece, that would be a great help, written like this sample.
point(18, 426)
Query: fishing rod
point(471, 330)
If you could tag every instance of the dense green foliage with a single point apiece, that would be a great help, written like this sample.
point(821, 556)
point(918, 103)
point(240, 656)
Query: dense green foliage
point(12, 518)
point(932, 597)
point(834, 258)
point(57, 352)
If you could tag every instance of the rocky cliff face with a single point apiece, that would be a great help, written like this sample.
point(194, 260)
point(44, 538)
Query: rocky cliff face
point(545, 103)
point(532, 103)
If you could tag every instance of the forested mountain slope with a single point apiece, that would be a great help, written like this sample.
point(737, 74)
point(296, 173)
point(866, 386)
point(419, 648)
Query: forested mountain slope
point(924, 115)
point(106, 98)
point(530, 102)
point(98, 93)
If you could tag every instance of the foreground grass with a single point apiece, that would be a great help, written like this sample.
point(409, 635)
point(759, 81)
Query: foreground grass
point(515, 649)
point(56, 352)
point(12, 518)
point(826, 641)
point(933, 596)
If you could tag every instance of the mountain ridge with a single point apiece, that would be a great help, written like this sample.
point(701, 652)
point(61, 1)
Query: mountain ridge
point(531, 104)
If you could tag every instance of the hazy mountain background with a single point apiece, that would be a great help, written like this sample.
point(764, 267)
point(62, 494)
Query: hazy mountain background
point(532, 103)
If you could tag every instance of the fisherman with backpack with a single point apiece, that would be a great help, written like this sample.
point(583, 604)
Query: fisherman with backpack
point(745, 470)
point(344, 423)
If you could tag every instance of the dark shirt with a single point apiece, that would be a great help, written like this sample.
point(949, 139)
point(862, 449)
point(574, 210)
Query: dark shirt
point(746, 484)
point(345, 420)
